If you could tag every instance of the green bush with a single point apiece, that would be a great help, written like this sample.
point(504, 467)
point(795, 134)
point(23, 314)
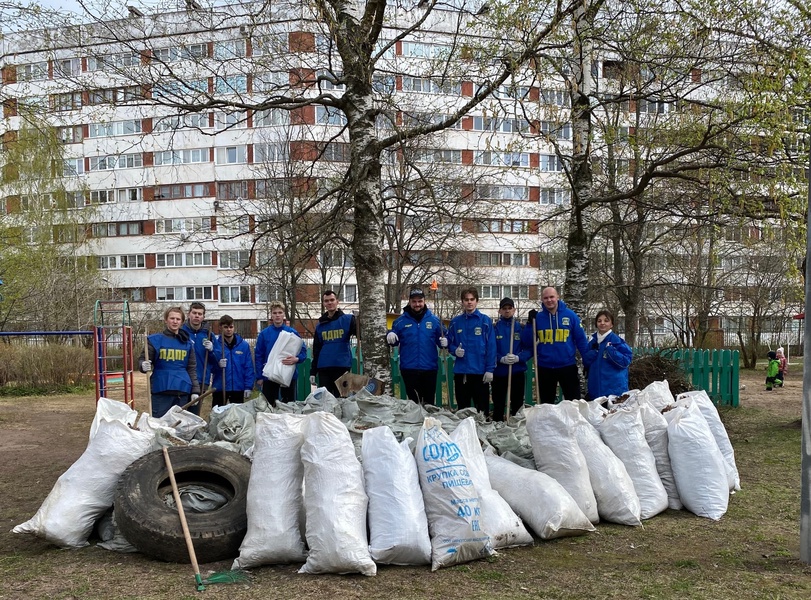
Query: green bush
point(29, 369)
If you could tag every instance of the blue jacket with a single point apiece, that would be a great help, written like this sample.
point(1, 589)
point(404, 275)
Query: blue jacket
point(419, 340)
point(207, 362)
point(331, 341)
point(239, 374)
point(607, 363)
point(558, 337)
point(173, 365)
point(521, 345)
point(264, 344)
point(474, 332)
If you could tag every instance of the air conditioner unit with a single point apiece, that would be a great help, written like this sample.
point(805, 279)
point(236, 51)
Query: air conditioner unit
point(243, 29)
point(184, 237)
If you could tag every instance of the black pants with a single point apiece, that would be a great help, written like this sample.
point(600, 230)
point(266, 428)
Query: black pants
point(500, 395)
point(232, 397)
point(470, 390)
point(273, 391)
point(327, 377)
point(569, 380)
point(420, 386)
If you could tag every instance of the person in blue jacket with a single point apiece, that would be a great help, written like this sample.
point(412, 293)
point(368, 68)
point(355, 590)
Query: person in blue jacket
point(418, 333)
point(472, 341)
point(607, 359)
point(237, 378)
point(559, 336)
point(170, 360)
point(510, 352)
point(206, 347)
point(332, 356)
point(272, 390)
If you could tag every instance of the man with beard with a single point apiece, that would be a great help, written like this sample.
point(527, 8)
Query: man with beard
point(418, 333)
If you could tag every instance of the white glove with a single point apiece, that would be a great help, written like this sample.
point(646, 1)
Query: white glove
point(509, 359)
point(391, 338)
point(443, 342)
point(460, 352)
point(488, 377)
point(146, 366)
point(208, 345)
point(312, 379)
point(194, 397)
point(223, 363)
point(247, 394)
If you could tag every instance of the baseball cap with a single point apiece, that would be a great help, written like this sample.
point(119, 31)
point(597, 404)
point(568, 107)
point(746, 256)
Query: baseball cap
point(506, 302)
point(416, 292)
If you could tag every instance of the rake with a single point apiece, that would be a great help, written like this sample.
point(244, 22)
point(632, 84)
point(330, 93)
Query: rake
point(222, 577)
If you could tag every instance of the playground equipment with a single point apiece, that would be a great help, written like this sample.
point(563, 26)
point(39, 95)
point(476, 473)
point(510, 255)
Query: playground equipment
point(112, 350)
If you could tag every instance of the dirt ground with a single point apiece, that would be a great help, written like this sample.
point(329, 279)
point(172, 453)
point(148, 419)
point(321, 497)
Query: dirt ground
point(40, 437)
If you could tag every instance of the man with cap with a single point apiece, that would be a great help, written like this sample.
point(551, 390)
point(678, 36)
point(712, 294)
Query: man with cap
point(513, 349)
point(418, 333)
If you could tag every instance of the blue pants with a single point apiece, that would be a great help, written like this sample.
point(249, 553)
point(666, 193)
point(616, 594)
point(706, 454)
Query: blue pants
point(161, 403)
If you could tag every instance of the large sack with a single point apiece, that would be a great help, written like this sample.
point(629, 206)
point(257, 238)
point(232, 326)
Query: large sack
point(287, 344)
point(500, 521)
point(334, 500)
point(85, 491)
point(617, 501)
point(393, 488)
point(719, 432)
point(558, 455)
point(624, 433)
point(275, 497)
point(538, 499)
point(112, 410)
point(451, 500)
point(698, 465)
point(658, 394)
point(656, 436)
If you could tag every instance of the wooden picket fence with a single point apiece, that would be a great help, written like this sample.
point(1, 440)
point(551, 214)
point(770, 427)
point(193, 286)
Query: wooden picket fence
point(715, 371)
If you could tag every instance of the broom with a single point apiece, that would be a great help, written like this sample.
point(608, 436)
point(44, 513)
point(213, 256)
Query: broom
point(223, 577)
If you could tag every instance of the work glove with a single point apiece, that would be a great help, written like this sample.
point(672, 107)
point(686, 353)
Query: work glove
point(392, 339)
point(146, 366)
point(194, 398)
point(509, 359)
point(208, 345)
point(247, 394)
point(312, 379)
point(460, 352)
point(531, 316)
point(223, 363)
point(488, 377)
point(443, 342)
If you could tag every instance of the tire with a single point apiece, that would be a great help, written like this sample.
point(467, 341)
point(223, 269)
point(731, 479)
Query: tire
point(149, 524)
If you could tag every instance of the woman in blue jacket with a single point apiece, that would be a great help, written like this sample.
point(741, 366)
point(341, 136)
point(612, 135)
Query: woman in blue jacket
point(607, 359)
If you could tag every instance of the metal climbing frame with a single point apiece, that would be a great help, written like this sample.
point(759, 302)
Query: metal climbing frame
point(112, 349)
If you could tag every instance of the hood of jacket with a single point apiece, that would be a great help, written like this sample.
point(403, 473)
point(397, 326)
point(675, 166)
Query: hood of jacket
point(325, 318)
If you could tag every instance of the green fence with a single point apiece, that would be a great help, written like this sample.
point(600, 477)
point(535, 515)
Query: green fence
point(714, 371)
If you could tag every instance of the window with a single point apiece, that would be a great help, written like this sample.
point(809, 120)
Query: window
point(230, 155)
point(551, 163)
point(269, 81)
point(556, 130)
point(122, 261)
point(189, 121)
point(384, 84)
point(430, 86)
point(503, 192)
point(438, 156)
point(653, 106)
point(326, 115)
point(336, 152)
point(131, 294)
point(270, 152)
point(124, 228)
point(32, 71)
point(330, 81)
point(183, 259)
point(518, 92)
point(68, 101)
point(348, 293)
point(187, 225)
point(70, 135)
point(67, 67)
point(270, 117)
point(33, 103)
point(555, 196)
point(231, 84)
point(494, 292)
point(194, 51)
point(181, 157)
point(102, 196)
point(113, 95)
point(502, 159)
point(129, 195)
point(555, 97)
point(423, 50)
point(75, 200)
point(336, 258)
point(181, 90)
point(72, 166)
point(269, 293)
point(122, 161)
point(235, 294)
point(231, 120)
point(232, 190)
point(233, 225)
point(273, 188)
point(95, 130)
point(273, 43)
point(500, 125)
point(189, 190)
point(166, 55)
point(229, 49)
point(503, 226)
point(112, 62)
point(516, 259)
point(185, 293)
point(234, 259)
point(488, 259)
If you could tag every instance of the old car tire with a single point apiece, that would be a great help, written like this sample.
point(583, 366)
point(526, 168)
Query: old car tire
point(149, 524)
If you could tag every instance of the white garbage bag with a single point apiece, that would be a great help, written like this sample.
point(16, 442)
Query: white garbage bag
point(287, 344)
